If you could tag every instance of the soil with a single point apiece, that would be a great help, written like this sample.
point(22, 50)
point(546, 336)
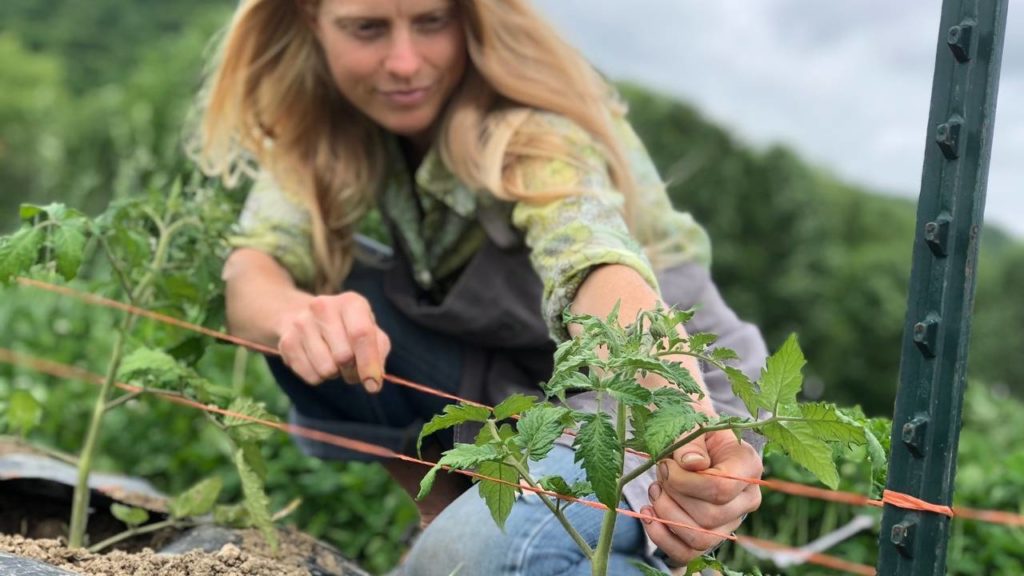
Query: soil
point(230, 560)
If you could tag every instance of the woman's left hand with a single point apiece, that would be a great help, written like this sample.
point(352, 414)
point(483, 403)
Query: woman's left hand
point(683, 494)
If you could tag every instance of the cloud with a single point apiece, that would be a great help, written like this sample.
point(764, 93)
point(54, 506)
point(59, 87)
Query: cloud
point(847, 84)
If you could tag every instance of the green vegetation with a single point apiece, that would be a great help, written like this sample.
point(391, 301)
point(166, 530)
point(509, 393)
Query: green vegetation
point(607, 358)
point(95, 96)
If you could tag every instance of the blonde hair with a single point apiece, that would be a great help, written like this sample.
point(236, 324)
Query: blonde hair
point(270, 103)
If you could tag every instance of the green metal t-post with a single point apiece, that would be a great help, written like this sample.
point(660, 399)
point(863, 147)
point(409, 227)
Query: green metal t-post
point(926, 423)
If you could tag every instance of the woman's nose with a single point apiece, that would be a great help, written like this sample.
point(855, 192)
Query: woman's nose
point(404, 59)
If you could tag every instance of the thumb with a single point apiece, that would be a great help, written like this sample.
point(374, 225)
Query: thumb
point(694, 456)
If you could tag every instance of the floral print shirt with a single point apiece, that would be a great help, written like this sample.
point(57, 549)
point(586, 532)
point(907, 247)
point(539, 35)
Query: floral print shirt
point(568, 236)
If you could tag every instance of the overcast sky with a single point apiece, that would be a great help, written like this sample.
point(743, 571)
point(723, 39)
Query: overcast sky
point(846, 83)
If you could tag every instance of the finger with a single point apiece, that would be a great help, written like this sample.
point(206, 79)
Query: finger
point(694, 455)
point(667, 541)
point(294, 357)
point(317, 352)
point(734, 459)
point(709, 514)
point(362, 336)
point(695, 538)
point(332, 330)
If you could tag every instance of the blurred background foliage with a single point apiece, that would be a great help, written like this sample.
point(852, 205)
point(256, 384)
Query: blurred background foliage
point(93, 100)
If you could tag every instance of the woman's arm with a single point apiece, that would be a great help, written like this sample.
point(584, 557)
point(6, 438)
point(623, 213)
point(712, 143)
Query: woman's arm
point(681, 493)
point(319, 337)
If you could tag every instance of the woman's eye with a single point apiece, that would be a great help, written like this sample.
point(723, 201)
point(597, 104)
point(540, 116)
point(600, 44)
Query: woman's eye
point(366, 29)
point(433, 22)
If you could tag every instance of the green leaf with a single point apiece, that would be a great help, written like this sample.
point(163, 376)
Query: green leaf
point(513, 405)
point(465, 456)
point(453, 415)
point(197, 500)
point(244, 430)
point(24, 412)
point(152, 368)
point(427, 482)
point(130, 515)
point(668, 395)
point(667, 424)
point(69, 248)
point(538, 429)
point(499, 497)
point(599, 452)
point(745, 390)
point(781, 378)
point(235, 515)
point(625, 389)
point(806, 449)
point(18, 252)
point(564, 380)
point(701, 340)
point(29, 211)
point(723, 354)
point(256, 501)
point(826, 423)
point(672, 371)
point(647, 570)
point(701, 563)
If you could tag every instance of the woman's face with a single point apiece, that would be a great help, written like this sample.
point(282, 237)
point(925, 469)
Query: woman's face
point(397, 61)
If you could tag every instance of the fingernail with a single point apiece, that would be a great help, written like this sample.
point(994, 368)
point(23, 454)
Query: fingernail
point(691, 458)
point(654, 491)
point(663, 471)
point(371, 385)
point(647, 511)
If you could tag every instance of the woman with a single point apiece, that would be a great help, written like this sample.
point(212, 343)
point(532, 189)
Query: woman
point(512, 187)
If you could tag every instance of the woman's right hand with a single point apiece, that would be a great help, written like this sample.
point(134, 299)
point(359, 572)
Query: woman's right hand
point(334, 335)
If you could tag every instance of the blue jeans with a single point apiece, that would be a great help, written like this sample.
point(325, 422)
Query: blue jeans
point(465, 540)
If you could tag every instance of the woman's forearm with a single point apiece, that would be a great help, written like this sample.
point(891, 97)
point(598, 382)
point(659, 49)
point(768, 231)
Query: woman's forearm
point(612, 283)
point(259, 292)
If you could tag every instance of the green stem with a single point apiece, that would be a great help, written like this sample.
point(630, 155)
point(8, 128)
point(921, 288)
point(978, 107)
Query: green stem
point(238, 370)
point(80, 501)
point(136, 531)
point(124, 398)
point(599, 564)
point(556, 510)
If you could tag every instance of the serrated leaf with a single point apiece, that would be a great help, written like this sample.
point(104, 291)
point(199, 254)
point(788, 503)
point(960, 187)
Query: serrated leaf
point(235, 515)
point(667, 424)
point(626, 389)
point(805, 449)
point(18, 252)
point(513, 405)
point(244, 430)
point(197, 500)
point(538, 429)
point(564, 380)
point(29, 211)
point(745, 390)
point(130, 515)
point(781, 378)
point(701, 340)
point(498, 496)
point(256, 501)
point(701, 563)
point(646, 570)
point(599, 453)
point(723, 354)
point(24, 412)
point(427, 482)
point(453, 415)
point(668, 395)
point(556, 484)
point(69, 247)
point(466, 456)
point(825, 422)
point(152, 368)
point(672, 371)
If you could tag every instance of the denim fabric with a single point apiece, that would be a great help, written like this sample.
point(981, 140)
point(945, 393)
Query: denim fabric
point(465, 540)
point(393, 418)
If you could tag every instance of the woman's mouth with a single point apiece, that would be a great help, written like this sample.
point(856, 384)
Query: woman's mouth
point(406, 98)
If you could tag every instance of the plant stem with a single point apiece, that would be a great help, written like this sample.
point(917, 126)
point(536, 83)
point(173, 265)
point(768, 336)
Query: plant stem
point(599, 564)
point(137, 531)
point(124, 398)
point(238, 370)
point(80, 501)
point(556, 510)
